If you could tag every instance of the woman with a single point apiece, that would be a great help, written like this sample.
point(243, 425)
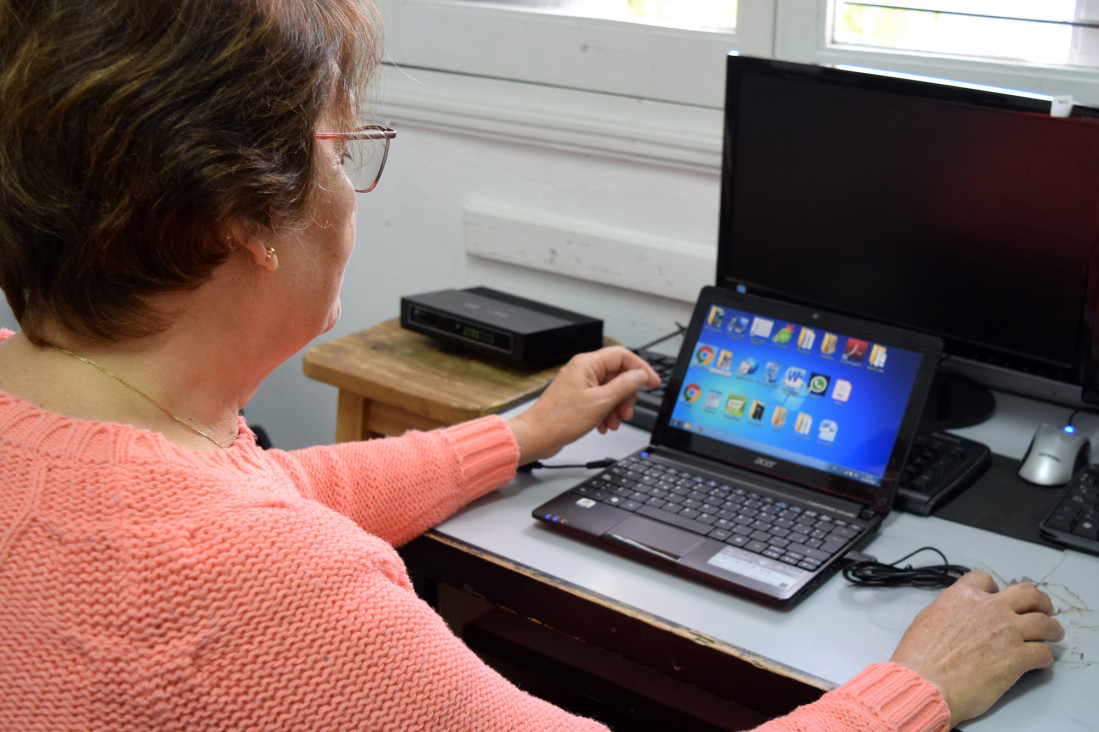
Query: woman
point(175, 218)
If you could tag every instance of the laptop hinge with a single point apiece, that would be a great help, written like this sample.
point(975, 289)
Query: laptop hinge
point(867, 514)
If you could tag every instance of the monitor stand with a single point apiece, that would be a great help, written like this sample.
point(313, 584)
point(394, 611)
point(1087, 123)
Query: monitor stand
point(956, 401)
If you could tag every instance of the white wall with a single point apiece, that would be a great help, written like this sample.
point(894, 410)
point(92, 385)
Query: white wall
point(444, 187)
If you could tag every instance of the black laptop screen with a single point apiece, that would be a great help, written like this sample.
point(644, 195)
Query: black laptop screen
point(788, 386)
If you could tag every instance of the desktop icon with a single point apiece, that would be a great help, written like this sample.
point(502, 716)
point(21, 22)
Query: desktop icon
point(761, 327)
point(828, 430)
point(794, 378)
point(739, 324)
point(713, 399)
point(704, 355)
point(878, 354)
point(818, 384)
point(828, 344)
point(734, 405)
point(778, 416)
point(785, 334)
point(716, 316)
point(691, 393)
point(803, 424)
point(855, 350)
point(758, 409)
point(724, 360)
point(841, 392)
point(747, 366)
point(770, 373)
point(806, 339)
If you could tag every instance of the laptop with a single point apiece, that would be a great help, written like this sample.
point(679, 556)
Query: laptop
point(776, 451)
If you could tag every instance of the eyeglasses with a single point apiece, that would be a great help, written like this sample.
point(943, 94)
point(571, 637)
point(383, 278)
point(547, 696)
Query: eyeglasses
point(363, 155)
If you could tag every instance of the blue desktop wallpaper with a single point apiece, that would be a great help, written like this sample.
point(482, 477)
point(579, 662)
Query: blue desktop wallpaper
point(801, 393)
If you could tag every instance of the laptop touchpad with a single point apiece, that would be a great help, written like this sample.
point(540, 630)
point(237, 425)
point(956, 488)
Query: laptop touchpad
point(656, 539)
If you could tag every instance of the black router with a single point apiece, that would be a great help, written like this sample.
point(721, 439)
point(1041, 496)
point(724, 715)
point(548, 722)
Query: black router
point(497, 325)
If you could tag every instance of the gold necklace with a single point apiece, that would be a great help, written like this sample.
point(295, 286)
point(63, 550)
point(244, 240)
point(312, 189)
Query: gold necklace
point(137, 391)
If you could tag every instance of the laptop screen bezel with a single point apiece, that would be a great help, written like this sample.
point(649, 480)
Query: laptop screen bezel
point(878, 497)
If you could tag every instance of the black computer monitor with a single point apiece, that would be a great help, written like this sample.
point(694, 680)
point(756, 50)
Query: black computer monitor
point(966, 212)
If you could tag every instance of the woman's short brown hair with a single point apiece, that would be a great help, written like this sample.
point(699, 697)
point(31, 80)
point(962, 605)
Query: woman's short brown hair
point(133, 131)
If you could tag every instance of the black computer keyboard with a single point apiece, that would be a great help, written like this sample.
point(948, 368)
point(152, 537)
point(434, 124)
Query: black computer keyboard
point(939, 465)
point(648, 400)
point(1074, 519)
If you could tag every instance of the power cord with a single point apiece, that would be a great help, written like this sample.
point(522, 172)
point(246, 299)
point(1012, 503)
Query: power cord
point(868, 572)
point(680, 329)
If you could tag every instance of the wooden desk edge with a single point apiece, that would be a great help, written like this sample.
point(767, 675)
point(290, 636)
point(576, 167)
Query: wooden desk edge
point(779, 688)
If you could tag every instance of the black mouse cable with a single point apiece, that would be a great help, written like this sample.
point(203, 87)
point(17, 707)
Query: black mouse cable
point(868, 572)
point(1072, 417)
point(1077, 411)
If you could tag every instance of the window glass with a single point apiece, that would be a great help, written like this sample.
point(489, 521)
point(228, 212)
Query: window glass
point(1050, 32)
point(700, 14)
point(712, 14)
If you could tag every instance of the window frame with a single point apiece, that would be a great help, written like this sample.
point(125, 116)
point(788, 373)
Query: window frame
point(590, 54)
point(607, 87)
point(521, 43)
point(803, 28)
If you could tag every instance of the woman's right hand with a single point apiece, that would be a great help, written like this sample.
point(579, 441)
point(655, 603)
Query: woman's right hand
point(974, 642)
point(593, 390)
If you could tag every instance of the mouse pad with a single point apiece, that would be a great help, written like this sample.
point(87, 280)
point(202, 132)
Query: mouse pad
point(1003, 502)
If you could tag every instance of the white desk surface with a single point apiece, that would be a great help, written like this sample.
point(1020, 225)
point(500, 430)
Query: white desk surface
point(839, 628)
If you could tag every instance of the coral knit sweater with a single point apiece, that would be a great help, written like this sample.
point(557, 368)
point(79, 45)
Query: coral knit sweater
point(147, 587)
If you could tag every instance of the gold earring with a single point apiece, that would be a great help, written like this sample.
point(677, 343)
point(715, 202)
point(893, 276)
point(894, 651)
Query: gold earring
point(270, 253)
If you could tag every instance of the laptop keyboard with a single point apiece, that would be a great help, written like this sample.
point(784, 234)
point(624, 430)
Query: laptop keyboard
point(939, 465)
point(737, 516)
point(1074, 519)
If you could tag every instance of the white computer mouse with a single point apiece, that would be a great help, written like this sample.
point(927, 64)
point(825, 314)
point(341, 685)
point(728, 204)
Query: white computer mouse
point(1055, 455)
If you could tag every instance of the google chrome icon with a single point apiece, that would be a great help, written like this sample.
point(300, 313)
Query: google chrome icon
point(704, 355)
point(692, 393)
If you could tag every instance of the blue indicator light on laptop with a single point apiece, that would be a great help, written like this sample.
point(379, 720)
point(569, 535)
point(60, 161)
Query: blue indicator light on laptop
point(1069, 429)
point(644, 454)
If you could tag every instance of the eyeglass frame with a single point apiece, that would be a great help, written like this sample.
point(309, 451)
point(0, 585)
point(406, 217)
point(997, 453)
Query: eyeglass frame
point(366, 132)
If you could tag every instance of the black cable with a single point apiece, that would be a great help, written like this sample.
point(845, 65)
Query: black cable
point(871, 573)
point(1080, 410)
point(680, 330)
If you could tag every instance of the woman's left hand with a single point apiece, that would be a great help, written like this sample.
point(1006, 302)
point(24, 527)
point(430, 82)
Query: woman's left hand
point(594, 389)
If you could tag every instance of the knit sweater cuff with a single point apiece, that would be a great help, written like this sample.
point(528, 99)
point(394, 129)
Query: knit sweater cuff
point(488, 452)
point(900, 697)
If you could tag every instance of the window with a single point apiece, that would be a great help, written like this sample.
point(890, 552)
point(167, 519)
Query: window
point(1048, 47)
point(697, 14)
point(533, 71)
point(1054, 32)
point(545, 42)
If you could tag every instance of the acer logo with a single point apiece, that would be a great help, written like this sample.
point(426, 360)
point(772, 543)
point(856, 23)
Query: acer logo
point(765, 463)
